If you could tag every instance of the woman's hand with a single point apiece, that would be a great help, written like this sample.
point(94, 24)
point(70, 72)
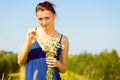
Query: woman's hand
point(31, 36)
point(52, 62)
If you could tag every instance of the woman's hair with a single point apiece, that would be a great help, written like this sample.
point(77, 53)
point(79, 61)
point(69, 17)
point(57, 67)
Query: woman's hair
point(46, 5)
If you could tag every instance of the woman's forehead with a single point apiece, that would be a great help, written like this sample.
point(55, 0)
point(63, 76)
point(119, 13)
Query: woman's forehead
point(41, 13)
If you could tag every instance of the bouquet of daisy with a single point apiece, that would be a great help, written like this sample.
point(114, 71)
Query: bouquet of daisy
point(50, 46)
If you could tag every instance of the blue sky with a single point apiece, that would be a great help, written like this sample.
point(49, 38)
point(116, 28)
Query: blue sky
point(91, 25)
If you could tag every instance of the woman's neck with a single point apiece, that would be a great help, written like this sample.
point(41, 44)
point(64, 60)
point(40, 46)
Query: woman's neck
point(49, 31)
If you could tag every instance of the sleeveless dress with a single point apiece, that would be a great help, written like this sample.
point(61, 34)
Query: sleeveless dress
point(36, 63)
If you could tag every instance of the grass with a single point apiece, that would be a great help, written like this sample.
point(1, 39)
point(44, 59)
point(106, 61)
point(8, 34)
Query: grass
point(66, 76)
point(3, 77)
point(72, 76)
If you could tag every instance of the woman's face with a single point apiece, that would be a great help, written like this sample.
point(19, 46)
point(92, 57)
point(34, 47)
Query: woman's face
point(46, 19)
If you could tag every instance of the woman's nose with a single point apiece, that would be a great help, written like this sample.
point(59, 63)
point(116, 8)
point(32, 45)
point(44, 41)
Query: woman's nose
point(44, 22)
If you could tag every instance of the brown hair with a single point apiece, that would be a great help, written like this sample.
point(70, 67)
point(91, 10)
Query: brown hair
point(46, 5)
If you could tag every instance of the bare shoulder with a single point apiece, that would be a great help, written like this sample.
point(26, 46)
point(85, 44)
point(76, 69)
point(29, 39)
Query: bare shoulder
point(65, 39)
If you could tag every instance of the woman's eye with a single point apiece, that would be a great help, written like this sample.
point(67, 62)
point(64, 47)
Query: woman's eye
point(47, 18)
point(40, 19)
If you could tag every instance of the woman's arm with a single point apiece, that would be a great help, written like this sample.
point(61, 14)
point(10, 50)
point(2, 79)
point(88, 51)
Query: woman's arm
point(22, 57)
point(62, 64)
point(30, 38)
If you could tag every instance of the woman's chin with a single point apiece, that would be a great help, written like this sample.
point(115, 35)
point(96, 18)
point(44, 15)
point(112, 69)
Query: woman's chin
point(45, 28)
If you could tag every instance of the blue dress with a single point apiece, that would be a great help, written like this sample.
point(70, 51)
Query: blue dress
point(36, 64)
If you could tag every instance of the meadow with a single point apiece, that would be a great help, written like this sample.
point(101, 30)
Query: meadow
point(83, 66)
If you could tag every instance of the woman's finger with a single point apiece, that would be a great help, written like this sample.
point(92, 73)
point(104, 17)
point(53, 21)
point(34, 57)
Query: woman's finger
point(51, 62)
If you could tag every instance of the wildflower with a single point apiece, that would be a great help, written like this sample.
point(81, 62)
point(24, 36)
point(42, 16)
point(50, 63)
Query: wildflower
point(50, 46)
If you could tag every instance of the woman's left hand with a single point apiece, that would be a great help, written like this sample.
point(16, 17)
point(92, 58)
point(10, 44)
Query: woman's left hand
point(52, 62)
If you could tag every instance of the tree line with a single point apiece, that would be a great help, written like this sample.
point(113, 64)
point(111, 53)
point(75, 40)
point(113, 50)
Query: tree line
point(102, 66)
point(8, 63)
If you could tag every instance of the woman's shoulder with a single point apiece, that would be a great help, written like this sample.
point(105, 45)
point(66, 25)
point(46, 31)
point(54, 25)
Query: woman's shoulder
point(64, 38)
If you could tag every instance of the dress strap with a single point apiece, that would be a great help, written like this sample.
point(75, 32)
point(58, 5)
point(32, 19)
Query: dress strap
point(61, 38)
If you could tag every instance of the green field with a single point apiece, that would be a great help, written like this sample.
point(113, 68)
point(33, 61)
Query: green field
point(66, 76)
point(83, 66)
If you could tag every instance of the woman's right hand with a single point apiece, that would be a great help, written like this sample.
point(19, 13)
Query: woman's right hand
point(31, 36)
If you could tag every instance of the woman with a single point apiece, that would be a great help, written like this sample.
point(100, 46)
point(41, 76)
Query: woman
point(32, 53)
